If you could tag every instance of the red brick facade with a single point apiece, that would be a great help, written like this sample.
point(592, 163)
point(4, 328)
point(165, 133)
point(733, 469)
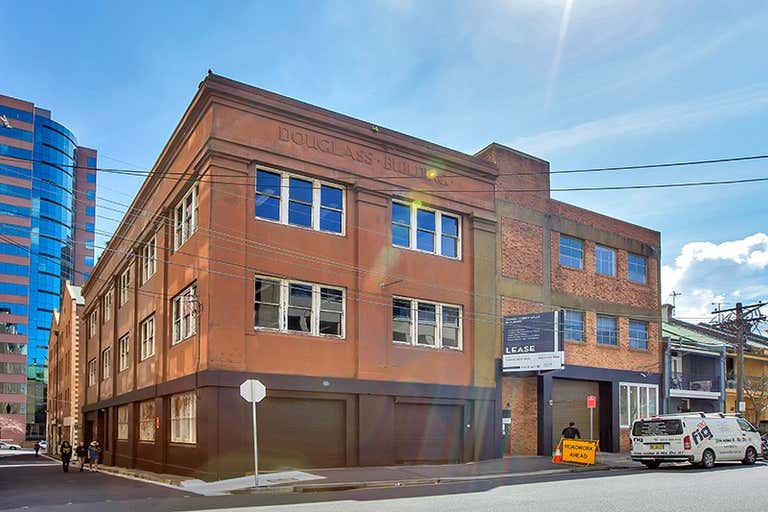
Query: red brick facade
point(533, 280)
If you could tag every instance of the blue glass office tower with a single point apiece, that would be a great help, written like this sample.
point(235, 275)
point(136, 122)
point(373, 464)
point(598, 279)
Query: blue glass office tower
point(47, 199)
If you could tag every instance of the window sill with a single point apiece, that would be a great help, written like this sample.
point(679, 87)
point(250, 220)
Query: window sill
point(641, 350)
point(145, 358)
point(343, 233)
point(605, 345)
point(181, 444)
point(427, 347)
point(182, 340)
point(576, 342)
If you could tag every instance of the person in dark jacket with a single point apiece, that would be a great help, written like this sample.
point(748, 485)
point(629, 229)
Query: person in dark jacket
point(82, 453)
point(94, 452)
point(37, 448)
point(571, 432)
point(65, 450)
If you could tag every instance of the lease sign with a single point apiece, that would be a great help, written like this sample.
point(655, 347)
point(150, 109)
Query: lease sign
point(581, 452)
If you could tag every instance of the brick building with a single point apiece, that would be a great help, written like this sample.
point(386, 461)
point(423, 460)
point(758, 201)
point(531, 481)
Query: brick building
point(64, 384)
point(360, 274)
point(318, 253)
point(604, 275)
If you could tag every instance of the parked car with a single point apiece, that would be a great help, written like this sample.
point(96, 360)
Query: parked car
point(697, 438)
point(765, 446)
point(9, 446)
point(44, 445)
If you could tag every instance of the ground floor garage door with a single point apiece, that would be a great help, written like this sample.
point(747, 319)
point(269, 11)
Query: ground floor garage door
point(302, 433)
point(427, 433)
point(569, 403)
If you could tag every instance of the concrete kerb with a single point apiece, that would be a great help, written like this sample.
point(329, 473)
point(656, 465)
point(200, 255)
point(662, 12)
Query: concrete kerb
point(178, 483)
point(342, 486)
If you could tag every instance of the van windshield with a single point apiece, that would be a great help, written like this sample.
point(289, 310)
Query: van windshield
point(657, 428)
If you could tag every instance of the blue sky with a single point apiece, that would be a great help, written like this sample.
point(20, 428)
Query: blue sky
point(578, 83)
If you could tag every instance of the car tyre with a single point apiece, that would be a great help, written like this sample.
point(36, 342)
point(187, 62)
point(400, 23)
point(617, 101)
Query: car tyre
point(651, 464)
point(708, 459)
point(750, 456)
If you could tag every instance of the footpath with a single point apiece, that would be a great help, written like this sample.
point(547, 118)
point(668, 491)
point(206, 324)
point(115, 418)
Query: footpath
point(336, 479)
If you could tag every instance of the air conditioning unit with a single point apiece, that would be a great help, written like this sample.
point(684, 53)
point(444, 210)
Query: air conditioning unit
point(685, 405)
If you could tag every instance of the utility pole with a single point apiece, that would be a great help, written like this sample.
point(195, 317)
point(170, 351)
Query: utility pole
point(675, 295)
point(740, 321)
point(740, 335)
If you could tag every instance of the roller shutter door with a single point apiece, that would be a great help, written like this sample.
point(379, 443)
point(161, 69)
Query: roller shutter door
point(302, 433)
point(569, 403)
point(428, 433)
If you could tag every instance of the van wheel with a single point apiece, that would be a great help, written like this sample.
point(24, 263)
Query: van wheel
point(750, 457)
point(651, 464)
point(708, 459)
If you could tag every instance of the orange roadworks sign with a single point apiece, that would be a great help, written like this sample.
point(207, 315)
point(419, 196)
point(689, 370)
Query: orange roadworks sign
point(579, 451)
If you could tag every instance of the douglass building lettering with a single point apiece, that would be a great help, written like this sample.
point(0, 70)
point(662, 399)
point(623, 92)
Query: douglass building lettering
point(323, 144)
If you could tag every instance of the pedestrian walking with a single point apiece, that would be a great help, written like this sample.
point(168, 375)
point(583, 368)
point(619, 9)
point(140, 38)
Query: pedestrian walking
point(65, 450)
point(571, 432)
point(82, 453)
point(37, 448)
point(94, 452)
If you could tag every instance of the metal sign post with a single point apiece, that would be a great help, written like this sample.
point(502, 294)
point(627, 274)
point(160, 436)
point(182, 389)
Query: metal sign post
point(591, 404)
point(254, 391)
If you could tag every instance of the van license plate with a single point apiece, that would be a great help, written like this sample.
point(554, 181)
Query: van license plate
point(657, 447)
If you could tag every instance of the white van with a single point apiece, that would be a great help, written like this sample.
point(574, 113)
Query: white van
point(698, 438)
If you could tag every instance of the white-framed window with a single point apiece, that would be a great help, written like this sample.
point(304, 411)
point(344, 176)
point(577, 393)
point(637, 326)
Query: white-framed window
point(106, 363)
point(637, 268)
point(125, 286)
point(573, 325)
point(571, 252)
point(300, 201)
point(122, 423)
point(607, 330)
point(107, 305)
point(147, 417)
point(124, 352)
point(637, 401)
point(427, 324)
point(93, 320)
point(638, 335)
point(295, 306)
point(184, 418)
point(92, 372)
point(147, 330)
point(605, 260)
point(676, 370)
point(185, 314)
point(185, 217)
point(426, 229)
point(148, 260)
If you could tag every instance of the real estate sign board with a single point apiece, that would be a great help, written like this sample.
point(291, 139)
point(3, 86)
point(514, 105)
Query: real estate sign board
point(532, 343)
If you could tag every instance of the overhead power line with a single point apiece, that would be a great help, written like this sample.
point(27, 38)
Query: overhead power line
point(683, 163)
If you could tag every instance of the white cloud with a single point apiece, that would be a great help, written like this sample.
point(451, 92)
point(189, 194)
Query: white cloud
point(650, 121)
point(708, 273)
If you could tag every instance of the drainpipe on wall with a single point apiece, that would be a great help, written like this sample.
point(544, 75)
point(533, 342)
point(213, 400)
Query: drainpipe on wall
point(667, 366)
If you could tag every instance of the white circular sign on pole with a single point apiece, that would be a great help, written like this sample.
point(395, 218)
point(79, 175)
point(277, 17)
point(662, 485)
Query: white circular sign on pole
point(253, 390)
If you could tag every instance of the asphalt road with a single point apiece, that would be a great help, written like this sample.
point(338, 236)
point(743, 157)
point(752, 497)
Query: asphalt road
point(33, 484)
